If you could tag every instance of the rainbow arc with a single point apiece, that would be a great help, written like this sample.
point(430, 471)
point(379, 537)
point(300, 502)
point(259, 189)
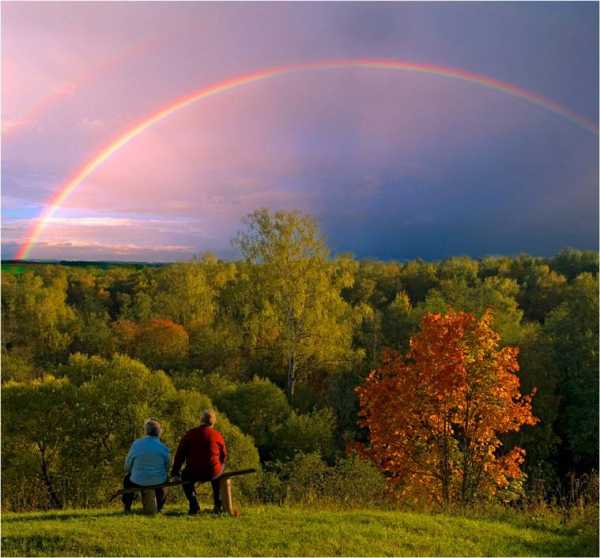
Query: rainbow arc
point(122, 139)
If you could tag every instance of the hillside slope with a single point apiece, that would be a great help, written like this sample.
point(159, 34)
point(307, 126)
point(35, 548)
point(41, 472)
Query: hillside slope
point(274, 531)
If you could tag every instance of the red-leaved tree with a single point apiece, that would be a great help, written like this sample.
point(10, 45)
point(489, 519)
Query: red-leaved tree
point(434, 416)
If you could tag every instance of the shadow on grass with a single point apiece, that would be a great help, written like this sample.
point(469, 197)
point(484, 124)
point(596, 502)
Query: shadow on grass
point(44, 545)
point(64, 516)
point(571, 546)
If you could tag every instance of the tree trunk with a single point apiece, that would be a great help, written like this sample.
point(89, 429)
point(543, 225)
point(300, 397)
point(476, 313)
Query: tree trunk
point(466, 478)
point(54, 499)
point(291, 377)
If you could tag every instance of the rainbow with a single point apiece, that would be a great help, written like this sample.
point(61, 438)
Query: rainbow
point(131, 132)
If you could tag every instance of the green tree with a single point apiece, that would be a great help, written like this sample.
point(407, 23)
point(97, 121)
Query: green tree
point(161, 343)
point(572, 331)
point(295, 306)
point(36, 315)
point(418, 278)
point(538, 371)
point(92, 334)
point(36, 419)
point(459, 269)
point(399, 323)
point(257, 408)
point(182, 293)
point(313, 432)
point(495, 293)
point(572, 263)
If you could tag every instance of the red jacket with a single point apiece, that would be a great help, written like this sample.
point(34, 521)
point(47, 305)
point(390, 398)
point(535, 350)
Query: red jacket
point(203, 450)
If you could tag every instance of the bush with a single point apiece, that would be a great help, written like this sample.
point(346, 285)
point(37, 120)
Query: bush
point(305, 433)
point(257, 408)
point(213, 385)
point(356, 481)
point(307, 479)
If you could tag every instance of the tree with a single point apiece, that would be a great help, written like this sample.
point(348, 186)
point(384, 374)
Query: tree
point(306, 433)
point(293, 294)
point(459, 269)
point(183, 294)
point(417, 278)
point(435, 416)
point(36, 315)
point(399, 323)
point(496, 293)
point(37, 416)
point(571, 331)
point(572, 263)
point(161, 343)
point(257, 408)
point(69, 436)
point(158, 343)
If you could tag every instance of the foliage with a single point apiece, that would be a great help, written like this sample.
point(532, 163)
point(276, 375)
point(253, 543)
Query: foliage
point(158, 342)
point(257, 408)
point(183, 294)
point(305, 433)
point(434, 417)
point(572, 332)
point(495, 293)
point(32, 310)
point(572, 263)
point(289, 313)
point(73, 432)
point(295, 294)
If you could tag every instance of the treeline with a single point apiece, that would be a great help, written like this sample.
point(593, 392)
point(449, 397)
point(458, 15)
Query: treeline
point(277, 341)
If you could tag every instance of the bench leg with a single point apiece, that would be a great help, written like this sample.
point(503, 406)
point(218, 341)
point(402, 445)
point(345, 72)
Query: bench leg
point(149, 502)
point(226, 497)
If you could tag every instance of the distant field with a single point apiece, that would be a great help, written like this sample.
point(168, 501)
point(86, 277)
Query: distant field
point(274, 531)
point(15, 269)
point(19, 266)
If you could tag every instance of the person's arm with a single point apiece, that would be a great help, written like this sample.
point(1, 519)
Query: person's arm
point(222, 448)
point(167, 460)
point(129, 459)
point(180, 455)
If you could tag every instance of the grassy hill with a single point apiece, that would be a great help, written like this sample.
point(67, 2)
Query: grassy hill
point(275, 531)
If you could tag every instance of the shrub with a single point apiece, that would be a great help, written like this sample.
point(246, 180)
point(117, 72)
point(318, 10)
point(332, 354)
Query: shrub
point(257, 408)
point(356, 481)
point(305, 433)
point(213, 385)
point(307, 479)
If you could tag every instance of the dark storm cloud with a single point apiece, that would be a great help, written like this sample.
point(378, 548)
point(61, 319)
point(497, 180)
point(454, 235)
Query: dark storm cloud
point(392, 164)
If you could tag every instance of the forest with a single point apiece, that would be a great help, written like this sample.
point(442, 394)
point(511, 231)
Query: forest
point(338, 379)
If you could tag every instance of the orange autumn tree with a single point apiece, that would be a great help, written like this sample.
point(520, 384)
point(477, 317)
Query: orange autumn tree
point(434, 416)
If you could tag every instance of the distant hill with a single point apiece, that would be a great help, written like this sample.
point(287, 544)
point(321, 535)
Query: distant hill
point(19, 266)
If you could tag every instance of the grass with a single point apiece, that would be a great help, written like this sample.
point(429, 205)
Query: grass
point(282, 531)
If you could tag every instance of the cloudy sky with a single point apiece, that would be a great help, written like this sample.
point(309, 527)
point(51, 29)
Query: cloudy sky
point(392, 164)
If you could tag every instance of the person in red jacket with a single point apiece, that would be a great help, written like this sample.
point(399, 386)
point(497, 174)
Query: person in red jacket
point(204, 453)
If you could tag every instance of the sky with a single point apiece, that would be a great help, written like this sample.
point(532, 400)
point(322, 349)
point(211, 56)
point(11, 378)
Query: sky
point(391, 164)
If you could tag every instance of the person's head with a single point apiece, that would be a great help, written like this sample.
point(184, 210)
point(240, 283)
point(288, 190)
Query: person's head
point(152, 427)
point(209, 417)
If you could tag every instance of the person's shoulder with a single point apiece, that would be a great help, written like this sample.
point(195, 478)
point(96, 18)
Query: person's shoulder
point(137, 442)
point(216, 434)
point(162, 445)
point(192, 432)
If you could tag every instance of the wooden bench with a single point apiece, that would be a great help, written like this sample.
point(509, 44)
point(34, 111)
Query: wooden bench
point(149, 497)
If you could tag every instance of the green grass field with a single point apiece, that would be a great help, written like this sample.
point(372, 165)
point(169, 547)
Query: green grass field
point(275, 531)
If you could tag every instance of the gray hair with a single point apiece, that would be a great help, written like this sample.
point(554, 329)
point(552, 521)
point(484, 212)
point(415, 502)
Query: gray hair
point(152, 427)
point(209, 417)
